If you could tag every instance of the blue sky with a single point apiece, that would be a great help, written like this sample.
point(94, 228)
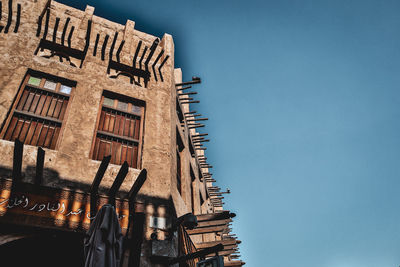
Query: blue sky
point(304, 106)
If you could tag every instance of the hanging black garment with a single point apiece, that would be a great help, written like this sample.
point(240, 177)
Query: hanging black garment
point(103, 241)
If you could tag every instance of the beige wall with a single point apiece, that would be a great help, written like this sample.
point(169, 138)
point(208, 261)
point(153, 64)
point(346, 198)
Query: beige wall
point(71, 158)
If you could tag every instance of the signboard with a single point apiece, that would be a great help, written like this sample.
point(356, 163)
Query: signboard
point(53, 208)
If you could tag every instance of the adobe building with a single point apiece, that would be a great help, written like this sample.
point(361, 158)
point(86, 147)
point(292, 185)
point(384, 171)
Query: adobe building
point(94, 112)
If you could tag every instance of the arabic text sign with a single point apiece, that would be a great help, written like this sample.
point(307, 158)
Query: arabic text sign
point(52, 207)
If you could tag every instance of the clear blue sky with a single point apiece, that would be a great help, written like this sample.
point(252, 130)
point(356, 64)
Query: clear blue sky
point(304, 106)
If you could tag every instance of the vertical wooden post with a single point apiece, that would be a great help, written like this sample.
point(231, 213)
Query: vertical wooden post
point(39, 166)
point(123, 171)
point(17, 163)
point(134, 236)
point(96, 183)
point(135, 242)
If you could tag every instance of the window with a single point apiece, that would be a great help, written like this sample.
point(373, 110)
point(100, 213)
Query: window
point(37, 115)
point(119, 130)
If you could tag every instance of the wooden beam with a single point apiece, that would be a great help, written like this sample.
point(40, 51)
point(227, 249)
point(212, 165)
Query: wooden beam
point(213, 243)
point(229, 247)
point(215, 216)
point(197, 254)
point(206, 230)
point(123, 171)
point(96, 183)
point(137, 185)
point(233, 263)
point(213, 223)
point(223, 253)
point(100, 173)
point(135, 241)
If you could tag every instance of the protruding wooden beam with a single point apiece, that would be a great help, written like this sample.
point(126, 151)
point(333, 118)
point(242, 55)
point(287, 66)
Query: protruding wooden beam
point(197, 135)
point(190, 102)
point(123, 171)
point(137, 185)
point(233, 263)
point(224, 253)
point(204, 230)
point(193, 81)
point(186, 98)
point(201, 140)
point(217, 198)
point(231, 247)
point(198, 148)
point(184, 88)
point(189, 93)
point(213, 243)
point(197, 254)
point(96, 183)
point(100, 173)
point(215, 216)
point(197, 119)
point(213, 223)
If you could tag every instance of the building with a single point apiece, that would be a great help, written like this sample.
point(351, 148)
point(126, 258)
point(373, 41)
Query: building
point(94, 112)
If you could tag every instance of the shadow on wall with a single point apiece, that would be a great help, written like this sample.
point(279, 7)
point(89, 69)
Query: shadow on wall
point(52, 178)
point(47, 244)
point(154, 207)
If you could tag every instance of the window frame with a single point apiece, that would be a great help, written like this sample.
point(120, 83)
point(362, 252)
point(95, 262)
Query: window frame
point(22, 88)
point(130, 101)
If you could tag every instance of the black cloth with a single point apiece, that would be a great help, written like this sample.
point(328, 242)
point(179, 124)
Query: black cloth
point(103, 241)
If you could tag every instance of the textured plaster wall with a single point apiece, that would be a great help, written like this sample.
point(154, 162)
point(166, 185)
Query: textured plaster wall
point(71, 159)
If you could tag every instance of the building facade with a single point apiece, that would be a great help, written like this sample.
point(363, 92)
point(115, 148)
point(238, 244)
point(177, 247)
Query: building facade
point(88, 108)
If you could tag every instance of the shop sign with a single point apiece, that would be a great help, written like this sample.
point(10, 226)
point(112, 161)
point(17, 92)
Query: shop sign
point(50, 207)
